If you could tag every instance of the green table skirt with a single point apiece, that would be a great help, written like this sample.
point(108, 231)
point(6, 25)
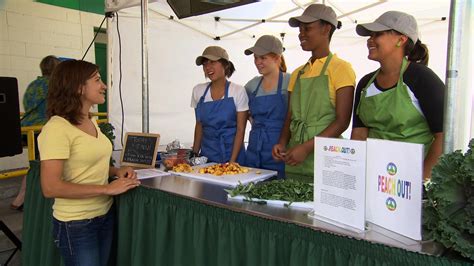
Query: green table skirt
point(160, 228)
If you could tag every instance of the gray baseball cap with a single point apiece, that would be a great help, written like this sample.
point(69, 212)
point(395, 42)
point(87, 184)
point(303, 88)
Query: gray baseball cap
point(212, 53)
point(315, 12)
point(265, 45)
point(391, 20)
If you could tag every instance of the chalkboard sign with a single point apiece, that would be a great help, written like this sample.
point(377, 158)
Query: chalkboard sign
point(140, 149)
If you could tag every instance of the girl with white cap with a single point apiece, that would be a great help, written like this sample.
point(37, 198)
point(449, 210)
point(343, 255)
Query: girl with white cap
point(403, 100)
point(268, 103)
point(221, 110)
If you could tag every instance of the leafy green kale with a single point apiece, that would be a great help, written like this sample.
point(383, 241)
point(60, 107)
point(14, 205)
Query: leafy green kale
point(108, 130)
point(448, 215)
point(284, 189)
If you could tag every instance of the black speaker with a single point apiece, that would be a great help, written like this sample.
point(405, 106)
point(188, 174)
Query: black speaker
point(10, 132)
point(189, 8)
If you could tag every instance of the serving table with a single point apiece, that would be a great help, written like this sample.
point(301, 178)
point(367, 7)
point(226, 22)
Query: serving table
point(174, 220)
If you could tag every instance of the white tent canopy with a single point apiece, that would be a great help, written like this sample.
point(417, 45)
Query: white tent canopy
point(174, 44)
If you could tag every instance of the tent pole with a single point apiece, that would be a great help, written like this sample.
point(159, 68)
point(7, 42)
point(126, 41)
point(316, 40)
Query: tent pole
point(258, 23)
point(361, 9)
point(294, 9)
point(145, 91)
point(184, 24)
point(452, 72)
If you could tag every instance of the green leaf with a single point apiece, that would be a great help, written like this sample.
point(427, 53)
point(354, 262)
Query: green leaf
point(448, 214)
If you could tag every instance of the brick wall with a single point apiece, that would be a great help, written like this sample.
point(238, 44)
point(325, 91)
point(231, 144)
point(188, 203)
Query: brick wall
point(30, 31)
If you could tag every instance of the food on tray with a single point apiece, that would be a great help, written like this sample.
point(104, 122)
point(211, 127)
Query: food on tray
point(182, 168)
point(175, 157)
point(224, 169)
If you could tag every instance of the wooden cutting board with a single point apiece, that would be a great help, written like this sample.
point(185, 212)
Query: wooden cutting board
point(253, 175)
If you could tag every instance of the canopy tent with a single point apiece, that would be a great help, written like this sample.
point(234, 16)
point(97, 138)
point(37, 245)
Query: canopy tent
point(174, 44)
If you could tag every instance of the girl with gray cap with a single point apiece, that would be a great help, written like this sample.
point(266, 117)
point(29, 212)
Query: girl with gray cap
point(403, 100)
point(321, 94)
point(221, 110)
point(268, 103)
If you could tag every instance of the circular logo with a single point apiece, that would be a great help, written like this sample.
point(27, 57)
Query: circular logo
point(325, 148)
point(353, 151)
point(391, 169)
point(391, 204)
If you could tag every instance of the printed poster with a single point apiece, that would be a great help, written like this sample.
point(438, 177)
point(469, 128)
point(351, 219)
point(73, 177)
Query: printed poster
point(394, 186)
point(339, 181)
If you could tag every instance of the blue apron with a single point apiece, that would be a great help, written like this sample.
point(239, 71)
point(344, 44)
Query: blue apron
point(268, 114)
point(219, 125)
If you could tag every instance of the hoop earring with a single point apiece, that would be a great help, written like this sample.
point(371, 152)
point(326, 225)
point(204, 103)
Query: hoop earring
point(399, 43)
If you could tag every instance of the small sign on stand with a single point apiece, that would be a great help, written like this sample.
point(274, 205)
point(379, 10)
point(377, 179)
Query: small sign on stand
point(339, 182)
point(140, 150)
point(394, 186)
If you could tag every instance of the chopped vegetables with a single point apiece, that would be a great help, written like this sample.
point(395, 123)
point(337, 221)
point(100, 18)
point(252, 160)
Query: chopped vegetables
point(224, 169)
point(285, 190)
point(182, 168)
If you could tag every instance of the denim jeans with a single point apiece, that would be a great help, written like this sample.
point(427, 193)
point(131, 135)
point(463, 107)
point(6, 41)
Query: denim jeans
point(85, 242)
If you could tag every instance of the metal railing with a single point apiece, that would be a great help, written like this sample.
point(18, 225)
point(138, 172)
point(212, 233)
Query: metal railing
point(30, 131)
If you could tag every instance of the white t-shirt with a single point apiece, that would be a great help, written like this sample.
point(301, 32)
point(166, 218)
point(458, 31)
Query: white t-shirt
point(236, 91)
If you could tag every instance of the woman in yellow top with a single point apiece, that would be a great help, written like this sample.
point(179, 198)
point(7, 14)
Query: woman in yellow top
point(321, 94)
point(75, 168)
point(403, 100)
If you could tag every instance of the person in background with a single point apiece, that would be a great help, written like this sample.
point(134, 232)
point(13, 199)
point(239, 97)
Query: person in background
point(221, 110)
point(34, 103)
point(321, 94)
point(403, 100)
point(268, 103)
point(75, 169)
point(34, 99)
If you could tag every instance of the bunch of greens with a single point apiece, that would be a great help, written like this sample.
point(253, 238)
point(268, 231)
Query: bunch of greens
point(448, 216)
point(283, 189)
point(108, 130)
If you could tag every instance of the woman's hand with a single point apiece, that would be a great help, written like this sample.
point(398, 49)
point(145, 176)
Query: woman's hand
point(126, 172)
point(296, 155)
point(279, 152)
point(121, 185)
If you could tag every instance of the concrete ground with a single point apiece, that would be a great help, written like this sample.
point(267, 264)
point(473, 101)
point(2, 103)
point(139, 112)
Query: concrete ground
point(12, 218)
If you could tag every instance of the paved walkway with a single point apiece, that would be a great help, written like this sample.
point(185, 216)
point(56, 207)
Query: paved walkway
point(14, 220)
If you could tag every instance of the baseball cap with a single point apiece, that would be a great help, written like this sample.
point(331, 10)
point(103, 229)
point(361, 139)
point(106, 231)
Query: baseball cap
point(391, 20)
point(265, 45)
point(315, 12)
point(212, 53)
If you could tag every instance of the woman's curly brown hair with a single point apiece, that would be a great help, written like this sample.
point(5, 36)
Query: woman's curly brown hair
point(64, 92)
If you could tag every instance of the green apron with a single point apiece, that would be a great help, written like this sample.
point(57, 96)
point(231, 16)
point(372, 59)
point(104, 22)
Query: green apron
point(311, 113)
point(391, 115)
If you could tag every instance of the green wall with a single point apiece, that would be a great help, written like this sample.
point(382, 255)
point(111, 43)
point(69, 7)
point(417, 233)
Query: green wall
point(93, 6)
point(101, 61)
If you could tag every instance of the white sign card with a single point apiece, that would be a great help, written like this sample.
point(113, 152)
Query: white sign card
point(339, 181)
point(394, 186)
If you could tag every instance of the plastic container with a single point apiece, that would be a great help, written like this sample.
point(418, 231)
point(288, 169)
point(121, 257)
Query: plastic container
point(174, 157)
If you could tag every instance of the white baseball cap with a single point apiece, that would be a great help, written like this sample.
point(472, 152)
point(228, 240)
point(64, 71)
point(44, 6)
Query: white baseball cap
point(212, 53)
point(391, 20)
point(315, 12)
point(265, 45)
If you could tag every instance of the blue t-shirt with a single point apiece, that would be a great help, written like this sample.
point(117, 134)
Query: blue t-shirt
point(251, 86)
